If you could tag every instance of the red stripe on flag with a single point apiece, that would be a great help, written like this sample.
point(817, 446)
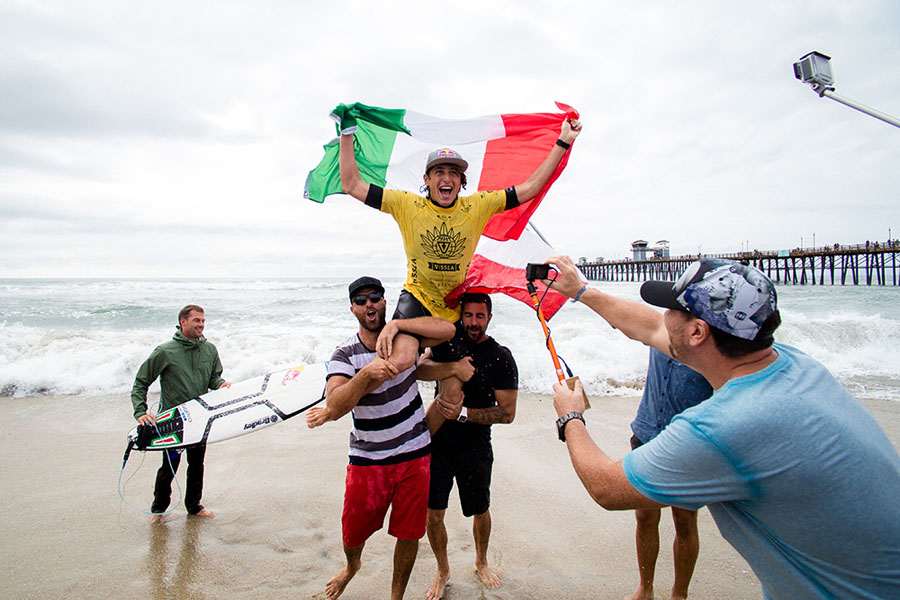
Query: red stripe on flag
point(490, 277)
point(512, 159)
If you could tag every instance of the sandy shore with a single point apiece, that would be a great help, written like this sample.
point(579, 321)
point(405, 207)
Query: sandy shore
point(278, 494)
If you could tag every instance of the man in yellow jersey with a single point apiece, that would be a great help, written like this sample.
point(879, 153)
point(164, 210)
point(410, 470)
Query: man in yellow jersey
point(440, 231)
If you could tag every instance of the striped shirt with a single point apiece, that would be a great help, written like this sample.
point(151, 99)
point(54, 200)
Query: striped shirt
point(388, 424)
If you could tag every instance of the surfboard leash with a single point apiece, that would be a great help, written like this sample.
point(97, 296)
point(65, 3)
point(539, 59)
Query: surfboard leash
point(131, 445)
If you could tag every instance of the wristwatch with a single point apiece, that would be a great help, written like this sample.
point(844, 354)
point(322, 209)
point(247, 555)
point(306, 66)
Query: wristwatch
point(463, 415)
point(564, 420)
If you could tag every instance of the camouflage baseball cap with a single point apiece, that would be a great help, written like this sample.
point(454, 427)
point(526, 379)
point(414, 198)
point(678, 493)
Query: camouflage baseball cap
point(729, 295)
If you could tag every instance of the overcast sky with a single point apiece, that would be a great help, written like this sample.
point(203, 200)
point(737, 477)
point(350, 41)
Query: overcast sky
point(169, 138)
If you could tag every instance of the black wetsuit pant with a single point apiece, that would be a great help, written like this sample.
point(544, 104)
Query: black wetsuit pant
point(162, 491)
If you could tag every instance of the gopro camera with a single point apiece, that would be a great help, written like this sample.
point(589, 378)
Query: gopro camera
point(536, 271)
point(814, 68)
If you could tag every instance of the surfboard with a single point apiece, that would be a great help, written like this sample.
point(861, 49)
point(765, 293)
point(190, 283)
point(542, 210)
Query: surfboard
point(226, 413)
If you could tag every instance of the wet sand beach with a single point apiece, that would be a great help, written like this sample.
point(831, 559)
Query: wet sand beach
point(277, 495)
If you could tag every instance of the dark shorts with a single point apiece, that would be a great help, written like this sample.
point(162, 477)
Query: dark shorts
point(409, 307)
point(372, 489)
point(635, 442)
point(472, 470)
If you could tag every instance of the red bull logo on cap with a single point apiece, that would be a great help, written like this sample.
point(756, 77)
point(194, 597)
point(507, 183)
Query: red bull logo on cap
point(448, 156)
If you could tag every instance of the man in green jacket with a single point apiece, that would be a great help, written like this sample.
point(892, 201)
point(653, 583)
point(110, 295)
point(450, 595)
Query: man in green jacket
point(188, 366)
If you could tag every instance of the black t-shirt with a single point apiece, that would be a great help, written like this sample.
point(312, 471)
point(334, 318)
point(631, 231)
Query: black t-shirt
point(495, 369)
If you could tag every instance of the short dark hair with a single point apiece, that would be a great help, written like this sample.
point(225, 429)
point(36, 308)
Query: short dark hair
point(186, 311)
point(733, 346)
point(477, 298)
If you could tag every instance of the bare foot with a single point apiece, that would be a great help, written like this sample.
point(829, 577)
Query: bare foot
point(205, 513)
point(335, 586)
point(641, 594)
point(156, 519)
point(437, 586)
point(487, 576)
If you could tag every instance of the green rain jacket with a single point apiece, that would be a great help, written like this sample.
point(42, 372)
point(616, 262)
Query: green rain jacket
point(189, 368)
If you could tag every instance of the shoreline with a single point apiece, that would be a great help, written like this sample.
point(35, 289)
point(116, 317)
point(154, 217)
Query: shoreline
point(278, 494)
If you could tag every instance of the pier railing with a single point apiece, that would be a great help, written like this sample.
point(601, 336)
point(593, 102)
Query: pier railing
point(857, 264)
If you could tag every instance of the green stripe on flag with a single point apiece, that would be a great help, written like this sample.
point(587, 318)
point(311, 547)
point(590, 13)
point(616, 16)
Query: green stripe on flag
point(372, 145)
point(325, 179)
point(389, 118)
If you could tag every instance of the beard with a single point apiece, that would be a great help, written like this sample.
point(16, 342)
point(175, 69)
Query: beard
point(474, 333)
point(676, 349)
point(673, 353)
point(377, 324)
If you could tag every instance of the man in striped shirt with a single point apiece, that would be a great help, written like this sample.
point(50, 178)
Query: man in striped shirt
point(390, 443)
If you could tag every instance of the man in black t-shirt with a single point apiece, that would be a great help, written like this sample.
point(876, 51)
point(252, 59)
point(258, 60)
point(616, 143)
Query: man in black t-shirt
point(461, 447)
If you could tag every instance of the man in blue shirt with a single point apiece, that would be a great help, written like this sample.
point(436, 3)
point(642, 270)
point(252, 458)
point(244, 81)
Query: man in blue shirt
point(670, 389)
point(798, 476)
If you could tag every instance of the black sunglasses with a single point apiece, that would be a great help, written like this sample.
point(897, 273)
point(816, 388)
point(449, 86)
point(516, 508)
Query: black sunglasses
point(375, 297)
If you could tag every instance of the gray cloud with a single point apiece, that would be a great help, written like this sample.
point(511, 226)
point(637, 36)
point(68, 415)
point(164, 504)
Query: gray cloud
point(132, 134)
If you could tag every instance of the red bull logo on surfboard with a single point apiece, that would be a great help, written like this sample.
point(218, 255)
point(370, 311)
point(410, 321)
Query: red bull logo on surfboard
point(291, 375)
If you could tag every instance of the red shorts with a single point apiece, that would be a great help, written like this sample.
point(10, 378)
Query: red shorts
point(370, 490)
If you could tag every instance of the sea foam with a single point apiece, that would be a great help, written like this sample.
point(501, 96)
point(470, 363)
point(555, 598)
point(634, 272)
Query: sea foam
point(90, 336)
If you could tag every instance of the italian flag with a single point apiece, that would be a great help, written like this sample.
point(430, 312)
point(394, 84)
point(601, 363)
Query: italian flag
point(393, 144)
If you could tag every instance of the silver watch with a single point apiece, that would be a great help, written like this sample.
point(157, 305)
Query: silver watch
point(564, 420)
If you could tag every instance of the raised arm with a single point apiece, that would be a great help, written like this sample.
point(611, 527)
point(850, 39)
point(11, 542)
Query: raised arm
point(637, 321)
point(351, 181)
point(529, 189)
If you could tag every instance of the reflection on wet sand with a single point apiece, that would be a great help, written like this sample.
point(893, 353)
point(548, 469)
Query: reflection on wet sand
point(178, 581)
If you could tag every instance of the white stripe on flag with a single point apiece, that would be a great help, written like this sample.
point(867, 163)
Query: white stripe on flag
point(410, 154)
point(469, 137)
point(451, 132)
point(515, 253)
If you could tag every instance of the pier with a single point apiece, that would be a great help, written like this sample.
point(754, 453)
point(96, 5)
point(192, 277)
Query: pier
point(859, 264)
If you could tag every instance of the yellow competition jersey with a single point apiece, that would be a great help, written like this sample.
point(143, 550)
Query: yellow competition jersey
point(439, 242)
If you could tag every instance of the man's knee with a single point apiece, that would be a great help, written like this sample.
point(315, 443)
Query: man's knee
point(483, 518)
point(647, 517)
point(405, 353)
point(451, 390)
point(685, 522)
point(435, 517)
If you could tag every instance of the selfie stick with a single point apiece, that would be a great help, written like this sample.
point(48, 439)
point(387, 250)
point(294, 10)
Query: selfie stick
point(532, 290)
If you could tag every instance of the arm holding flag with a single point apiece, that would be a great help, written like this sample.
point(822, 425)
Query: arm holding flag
point(351, 181)
point(530, 188)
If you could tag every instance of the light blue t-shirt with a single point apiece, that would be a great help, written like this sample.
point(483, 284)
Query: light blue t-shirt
point(798, 476)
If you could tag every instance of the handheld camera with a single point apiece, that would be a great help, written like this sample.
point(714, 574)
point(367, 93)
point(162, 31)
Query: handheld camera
point(536, 271)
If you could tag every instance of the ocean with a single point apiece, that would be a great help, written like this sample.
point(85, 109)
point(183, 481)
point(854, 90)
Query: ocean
point(88, 336)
